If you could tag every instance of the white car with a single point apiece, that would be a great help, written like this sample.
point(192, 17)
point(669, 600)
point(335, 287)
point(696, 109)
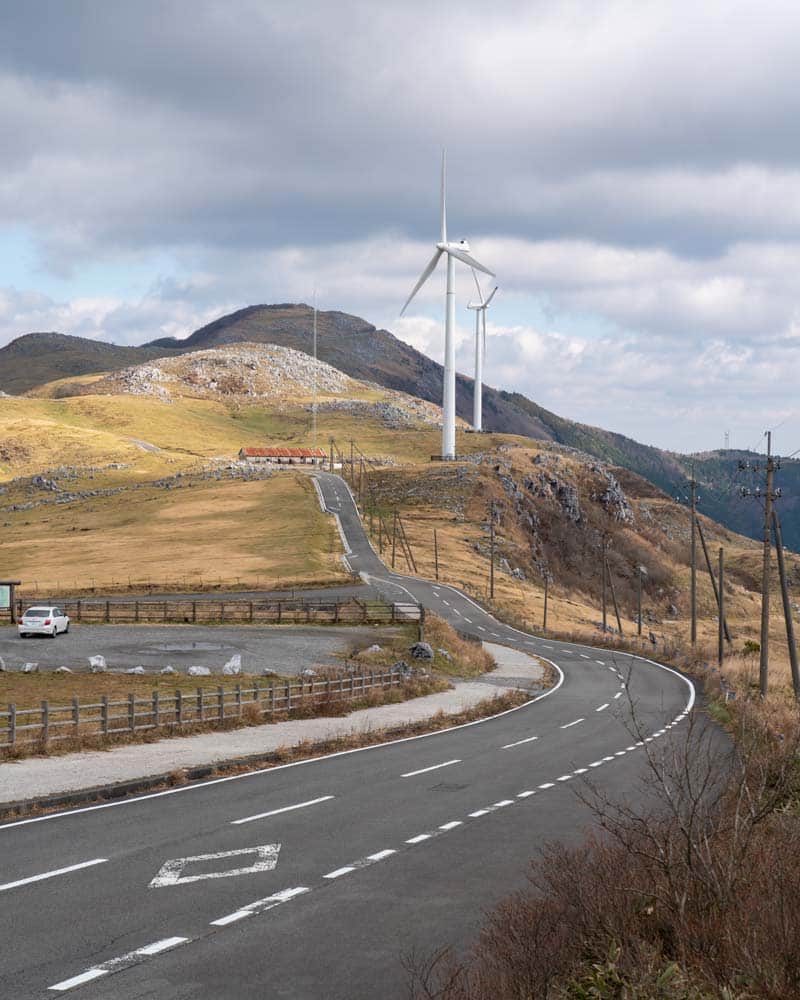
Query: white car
point(45, 620)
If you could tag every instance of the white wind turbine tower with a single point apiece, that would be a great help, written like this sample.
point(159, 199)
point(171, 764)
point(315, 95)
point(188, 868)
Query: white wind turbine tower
point(454, 251)
point(480, 308)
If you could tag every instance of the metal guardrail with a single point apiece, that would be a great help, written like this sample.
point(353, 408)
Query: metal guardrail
point(49, 724)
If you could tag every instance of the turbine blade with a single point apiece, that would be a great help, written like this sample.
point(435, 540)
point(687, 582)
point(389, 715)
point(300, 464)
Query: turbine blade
point(491, 296)
point(423, 278)
point(477, 285)
point(465, 258)
point(443, 197)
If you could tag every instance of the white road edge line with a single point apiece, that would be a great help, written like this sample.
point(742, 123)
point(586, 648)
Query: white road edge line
point(433, 767)
point(284, 809)
point(52, 874)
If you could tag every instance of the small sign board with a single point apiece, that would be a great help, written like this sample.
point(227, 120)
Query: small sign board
point(5, 596)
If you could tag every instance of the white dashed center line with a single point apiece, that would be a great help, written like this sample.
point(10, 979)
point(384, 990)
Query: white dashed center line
point(575, 723)
point(52, 874)
point(508, 746)
point(338, 872)
point(433, 767)
point(601, 707)
point(283, 809)
point(419, 838)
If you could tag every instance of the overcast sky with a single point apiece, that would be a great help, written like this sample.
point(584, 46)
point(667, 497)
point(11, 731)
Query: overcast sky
point(631, 171)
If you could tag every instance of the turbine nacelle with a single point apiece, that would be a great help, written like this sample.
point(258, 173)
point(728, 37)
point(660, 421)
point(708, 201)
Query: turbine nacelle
point(462, 245)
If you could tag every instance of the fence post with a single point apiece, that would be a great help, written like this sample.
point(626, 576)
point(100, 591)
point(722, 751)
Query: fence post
point(279, 612)
point(132, 712)
point(239, 700)
point(251, 612)
point(221, 699)
point(165, 610)
point(272, 700)
point(337, 606)
point(288, 697)
point(200, 704)
point(222, 612)
point(136, 611)
point(108, 612)
point(78, 611)
point(179, 707)
point(194, 611)
point(12, 724)
point(76, 714)
point(104, 714)
point(45, 722)
point(156, 714)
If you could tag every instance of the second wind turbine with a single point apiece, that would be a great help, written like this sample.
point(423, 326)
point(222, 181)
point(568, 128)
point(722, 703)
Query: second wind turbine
point(454, 251)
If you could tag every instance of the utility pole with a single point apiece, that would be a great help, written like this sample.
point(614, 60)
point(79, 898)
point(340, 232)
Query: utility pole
point(614, 598)
point(721, 609)
point(544, 617)
point(331, 454)
point(641, 572)
point(787, 607)
point(605, 548)
point(491, 550)
point(380, 533)
point(352, 466)
point(713, 580)
point(436, 552)
point(692, 500)
point(763, 667)
point(693, 485)
point(394, 538)
point(770, 494)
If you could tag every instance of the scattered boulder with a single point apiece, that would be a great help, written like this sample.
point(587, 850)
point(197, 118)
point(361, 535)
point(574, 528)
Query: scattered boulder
point(135, 670)
point(308, 672)
point(422, 651)
point(97, 664)
point(266, 672)
point(198, 672)
point(445, 655)
point(2, 665)
point(672, 610)
point(234, 665)
point(62, 670)
point(169, 669)
point(374, 648)
point(30, 668)
point(652, 638)
point(401, 667)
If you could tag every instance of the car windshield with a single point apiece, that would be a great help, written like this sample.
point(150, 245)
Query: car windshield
point(37, 613)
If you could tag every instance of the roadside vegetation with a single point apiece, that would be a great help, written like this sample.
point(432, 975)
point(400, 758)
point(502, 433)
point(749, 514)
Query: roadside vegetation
point(694, 897)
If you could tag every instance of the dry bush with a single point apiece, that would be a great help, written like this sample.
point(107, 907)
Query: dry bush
point(695, 897)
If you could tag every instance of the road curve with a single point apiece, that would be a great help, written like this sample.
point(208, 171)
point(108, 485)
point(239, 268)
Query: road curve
point(317, 880)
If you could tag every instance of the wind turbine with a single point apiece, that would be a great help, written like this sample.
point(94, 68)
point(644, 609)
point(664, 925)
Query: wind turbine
point(480, 308)
point(454, 251)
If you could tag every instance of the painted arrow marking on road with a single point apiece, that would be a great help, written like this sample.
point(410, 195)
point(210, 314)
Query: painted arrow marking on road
point(170, 873)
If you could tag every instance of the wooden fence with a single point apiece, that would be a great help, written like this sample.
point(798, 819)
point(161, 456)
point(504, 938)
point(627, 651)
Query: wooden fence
point(49, 724)
point(230, 610)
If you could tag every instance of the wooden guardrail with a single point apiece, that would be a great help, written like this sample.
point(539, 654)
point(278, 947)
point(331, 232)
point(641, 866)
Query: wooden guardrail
point(49, 724)
point(229, 610)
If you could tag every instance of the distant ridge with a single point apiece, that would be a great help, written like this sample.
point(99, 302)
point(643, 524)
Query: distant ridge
point(36, 358)
point(365, 352)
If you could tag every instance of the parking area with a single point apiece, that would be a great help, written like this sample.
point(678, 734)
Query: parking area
point(286, 649)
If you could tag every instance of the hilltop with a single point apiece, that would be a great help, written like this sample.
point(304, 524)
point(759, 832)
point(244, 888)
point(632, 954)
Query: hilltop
point(364, 352)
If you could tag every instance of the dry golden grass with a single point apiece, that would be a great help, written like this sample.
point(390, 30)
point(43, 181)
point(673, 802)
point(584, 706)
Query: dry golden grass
point(265, 533)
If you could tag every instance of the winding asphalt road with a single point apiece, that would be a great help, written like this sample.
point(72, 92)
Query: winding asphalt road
point(320, 879)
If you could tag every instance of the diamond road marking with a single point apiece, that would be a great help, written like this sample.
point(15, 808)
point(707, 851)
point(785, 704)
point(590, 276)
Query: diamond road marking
point(266, 857)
